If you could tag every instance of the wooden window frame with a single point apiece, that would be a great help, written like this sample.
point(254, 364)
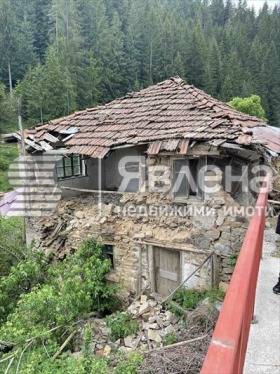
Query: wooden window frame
point(109, 253)
point(199, 195)
point(72, 166)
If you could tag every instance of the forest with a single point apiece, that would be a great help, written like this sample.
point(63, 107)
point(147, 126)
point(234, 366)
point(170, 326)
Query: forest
point(64, 55)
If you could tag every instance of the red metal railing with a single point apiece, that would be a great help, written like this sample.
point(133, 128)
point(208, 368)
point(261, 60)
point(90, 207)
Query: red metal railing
point(227, 350)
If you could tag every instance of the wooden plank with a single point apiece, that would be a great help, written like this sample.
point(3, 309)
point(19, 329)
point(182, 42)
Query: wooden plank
point(167, 265)
point(168, 275)
point(33, 144)
point(45, 145)
point(170, 246)
point(50, 138)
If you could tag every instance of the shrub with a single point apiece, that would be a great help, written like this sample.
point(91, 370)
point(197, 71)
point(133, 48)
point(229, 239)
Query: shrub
point(22, 278)
point(170, 339)
point(129, 365)
point(189, 299)
point(12, 249)
point(74, 288)
point(121, 325)
point(233, 259)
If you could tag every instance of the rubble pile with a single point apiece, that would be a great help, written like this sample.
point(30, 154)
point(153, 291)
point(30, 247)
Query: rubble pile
point(155, 324)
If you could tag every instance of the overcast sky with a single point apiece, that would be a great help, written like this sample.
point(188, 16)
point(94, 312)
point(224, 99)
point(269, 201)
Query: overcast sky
point(259, 3)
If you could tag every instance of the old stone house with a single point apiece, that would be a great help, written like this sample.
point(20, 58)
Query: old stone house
point(132, 175)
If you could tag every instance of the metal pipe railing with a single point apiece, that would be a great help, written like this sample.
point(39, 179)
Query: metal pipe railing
point(227, 350)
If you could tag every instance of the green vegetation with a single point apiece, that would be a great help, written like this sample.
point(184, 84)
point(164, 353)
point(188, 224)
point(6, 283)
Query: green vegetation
point(63, 55)
point(170, 339)
point(121, 325)
point(41, 302)
point(189, 299)
point(233, 259)
point(8, 153)
point(250, 105)
point(12, 249)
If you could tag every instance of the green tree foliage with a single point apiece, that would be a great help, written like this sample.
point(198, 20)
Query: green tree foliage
point(8, 107)
point(12, 249)
point(91, 52)
point(122, 324)
point(29, 270)
point(58, 89)
point(250, 105)
point(42, 303)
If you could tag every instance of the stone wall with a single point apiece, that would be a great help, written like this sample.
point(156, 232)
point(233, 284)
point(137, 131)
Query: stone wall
point(82, 217)
point(135, 222)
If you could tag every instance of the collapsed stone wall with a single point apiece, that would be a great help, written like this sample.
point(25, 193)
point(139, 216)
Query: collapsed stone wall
point(110, 222)
point(133, 222)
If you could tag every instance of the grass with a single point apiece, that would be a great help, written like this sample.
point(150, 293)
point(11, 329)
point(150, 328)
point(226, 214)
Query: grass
point(189, 299)
point(8, 153)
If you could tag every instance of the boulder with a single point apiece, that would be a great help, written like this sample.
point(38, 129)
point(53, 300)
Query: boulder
point(169, 329)
point(125, 350)
point(154, 336)
point(144, 308)
point(80, 215)
point(146, 317)
point(153, 326)
point(129, 341)
point(107, 351)
point(143, 299)
point(171, 317)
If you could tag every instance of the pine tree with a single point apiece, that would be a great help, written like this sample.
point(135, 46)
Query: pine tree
point(39, 17)
point(59, 95)
point(218, 12)
point(232, 84)
point(214, 71)
point(196, 58)
point(272, 79)
point(8, 41)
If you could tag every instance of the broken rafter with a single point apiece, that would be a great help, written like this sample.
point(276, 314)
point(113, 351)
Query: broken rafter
point(178, 344)
point(64, 345)
point(274, 202)
point(95, 191)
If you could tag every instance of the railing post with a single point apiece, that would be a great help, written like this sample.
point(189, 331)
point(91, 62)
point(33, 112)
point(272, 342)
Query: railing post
point(226, 353)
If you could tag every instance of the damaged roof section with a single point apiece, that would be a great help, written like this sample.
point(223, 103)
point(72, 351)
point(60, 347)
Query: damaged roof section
point(166, 116)
point(269, 136)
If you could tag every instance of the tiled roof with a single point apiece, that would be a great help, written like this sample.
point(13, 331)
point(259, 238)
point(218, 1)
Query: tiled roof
point(167, 111)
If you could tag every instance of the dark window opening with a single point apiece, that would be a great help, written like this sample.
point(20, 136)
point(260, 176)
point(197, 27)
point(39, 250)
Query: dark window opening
point(71, 166)
point(193, 169)
point(180, 178)
point(187, 178)
point(108, 253)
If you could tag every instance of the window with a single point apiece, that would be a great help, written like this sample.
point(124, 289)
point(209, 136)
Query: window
point(186, 175)
point(71, 166)
point(108, 252)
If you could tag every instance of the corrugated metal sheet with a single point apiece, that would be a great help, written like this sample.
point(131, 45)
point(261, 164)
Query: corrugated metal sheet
point(184, 146)
point(270, 135)
point(6, 202)
point(154, 148)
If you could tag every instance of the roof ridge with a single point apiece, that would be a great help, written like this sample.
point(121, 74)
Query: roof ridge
point(223, 105)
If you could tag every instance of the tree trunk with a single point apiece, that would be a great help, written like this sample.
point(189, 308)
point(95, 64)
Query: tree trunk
point(10, 78)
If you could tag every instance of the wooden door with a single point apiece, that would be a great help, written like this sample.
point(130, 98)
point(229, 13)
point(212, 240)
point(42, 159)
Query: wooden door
point(167, 270)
